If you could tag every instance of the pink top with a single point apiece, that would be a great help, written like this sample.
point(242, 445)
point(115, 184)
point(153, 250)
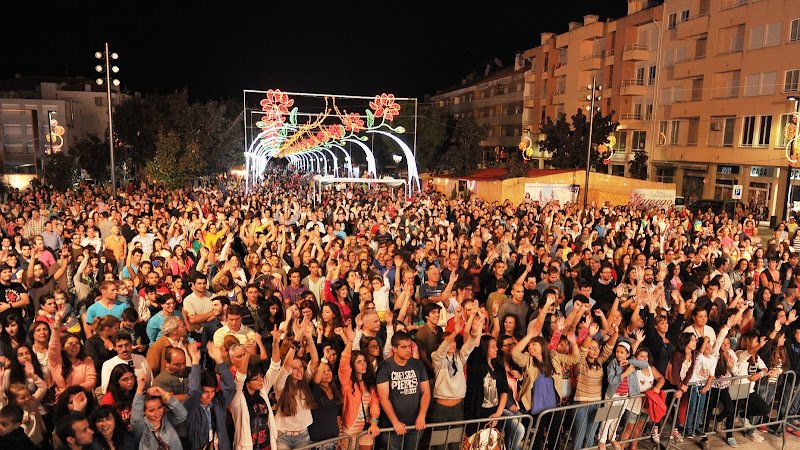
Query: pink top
point(83, 373)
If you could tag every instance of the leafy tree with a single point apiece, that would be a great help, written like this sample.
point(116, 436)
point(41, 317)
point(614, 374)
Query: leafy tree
point(175, 164)
point(568, 143)
point(61, 170)
point(638, 165)
point(463, 152)
point(516, 166)
point(93, 156)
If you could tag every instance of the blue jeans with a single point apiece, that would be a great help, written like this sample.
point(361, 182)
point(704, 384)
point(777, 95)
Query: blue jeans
point(694, 412)
point(767, 392)
point(514, 430)
point(286, 442)
point(393, 441)
point(585, 426)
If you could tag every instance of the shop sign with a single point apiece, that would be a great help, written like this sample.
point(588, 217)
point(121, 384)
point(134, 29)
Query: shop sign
point(757, 171)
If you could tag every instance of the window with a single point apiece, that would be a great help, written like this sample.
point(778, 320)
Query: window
point(663, 127)
point(672, 21)
point(684, 15)
point(794, 35)
point(622, 140)
point(765, 128)
point(546, 58)
point(727, 137)
point(666, 96)
point(651, 76)
point(768, 82)
point(618, 170)
point(785, 118)
point(756, 131)
point(674, 132)
point(665, 174)
point(677, 94)
point(648, 111)
point(790, 81)
point(638, 140)
point(748, 129)
point(98, 101)
point(640, 76)
point(765, 36)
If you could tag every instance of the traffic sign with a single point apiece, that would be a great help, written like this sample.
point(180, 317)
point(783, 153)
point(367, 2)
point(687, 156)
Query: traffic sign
point(737, 192)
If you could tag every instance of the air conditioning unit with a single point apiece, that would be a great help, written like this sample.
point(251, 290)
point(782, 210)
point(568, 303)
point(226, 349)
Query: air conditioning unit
point(716, 125)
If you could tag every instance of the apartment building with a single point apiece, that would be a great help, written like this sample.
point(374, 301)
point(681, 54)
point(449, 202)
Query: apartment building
point(620, 56)
point(493, 99)
point(27, 106)
point(729, 70)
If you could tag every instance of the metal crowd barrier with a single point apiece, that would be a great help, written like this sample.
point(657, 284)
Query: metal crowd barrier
point(451, 435)
point(722, 408)
point(565, 426)
point(342, 442)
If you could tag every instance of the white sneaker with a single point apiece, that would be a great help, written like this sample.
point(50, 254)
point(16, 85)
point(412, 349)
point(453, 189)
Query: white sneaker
point(755, 437)
point(655, 436)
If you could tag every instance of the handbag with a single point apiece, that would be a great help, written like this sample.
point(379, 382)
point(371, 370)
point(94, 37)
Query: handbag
point(485, 439)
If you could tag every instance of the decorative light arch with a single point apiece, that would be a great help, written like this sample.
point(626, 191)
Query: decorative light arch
point(282, 136)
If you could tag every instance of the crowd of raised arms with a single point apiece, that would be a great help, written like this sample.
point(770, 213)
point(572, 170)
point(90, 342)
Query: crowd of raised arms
point(209, 318)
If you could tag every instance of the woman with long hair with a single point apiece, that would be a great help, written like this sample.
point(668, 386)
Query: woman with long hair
point(328, 403)
point(223, 284)
point(110, 433)
point(750, 363)
point(293, 391)
point(360, 402)
point(69, 364)
point(122, 386)
point(330, 320)
point(589, 385)
point(39, 333)
point(13, 334)
point(762, 303)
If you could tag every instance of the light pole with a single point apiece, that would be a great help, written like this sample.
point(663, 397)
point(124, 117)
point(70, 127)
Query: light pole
point(792, 159)
point(105, 55)
point(592, 98)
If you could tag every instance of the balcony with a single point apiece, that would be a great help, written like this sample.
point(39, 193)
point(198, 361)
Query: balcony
point(530, 76)
point(632, 118)
point(633, 87)
point(635, 52)
point(687, 68)
point(559, 98)
point(730, 60)
point(730, 4)
point(560, 70)
point(591, 62)
point(695, 26)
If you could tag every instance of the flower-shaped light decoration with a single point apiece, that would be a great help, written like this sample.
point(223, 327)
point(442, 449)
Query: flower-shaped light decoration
point(607, 150)
point(526, 147)
point(55, 138)
point(385, 106)
point(276, 105)
point(791, 133)
point(353, 122)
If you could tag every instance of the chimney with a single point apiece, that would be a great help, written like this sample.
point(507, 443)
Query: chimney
point(488, 68)
point(574, 25)
point(591, 18)
point(519, 61)
point(546, 37)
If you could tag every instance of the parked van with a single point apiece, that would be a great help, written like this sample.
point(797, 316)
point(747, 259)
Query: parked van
point(716, 206)
point(680, 204)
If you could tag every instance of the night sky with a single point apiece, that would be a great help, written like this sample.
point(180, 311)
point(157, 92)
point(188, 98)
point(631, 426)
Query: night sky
point(407, 48)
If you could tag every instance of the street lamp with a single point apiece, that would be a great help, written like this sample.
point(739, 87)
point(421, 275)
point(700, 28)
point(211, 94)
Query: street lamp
point(592, 98)
point(790, 155)
point(108, 69)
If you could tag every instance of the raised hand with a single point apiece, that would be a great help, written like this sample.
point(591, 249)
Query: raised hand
point(593, 329)
point(639, 334)
point(215, 353)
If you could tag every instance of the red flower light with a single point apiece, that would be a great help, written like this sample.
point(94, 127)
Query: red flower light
point(385, 106)
point(276, 105)
point(353, 122)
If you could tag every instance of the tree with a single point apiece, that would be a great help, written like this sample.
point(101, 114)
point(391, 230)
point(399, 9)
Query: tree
point(93, 156)
point(638, 165)
point(569, 143)
point(61, 171)
point(175, 164)
point(463, 152)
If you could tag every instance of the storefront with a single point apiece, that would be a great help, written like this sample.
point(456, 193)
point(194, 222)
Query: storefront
point(726, 178)
point(760, 191)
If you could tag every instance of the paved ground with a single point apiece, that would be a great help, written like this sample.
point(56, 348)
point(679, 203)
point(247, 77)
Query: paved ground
point(770, 443)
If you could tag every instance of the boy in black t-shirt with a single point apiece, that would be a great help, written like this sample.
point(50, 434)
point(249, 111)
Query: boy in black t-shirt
point(405, 394)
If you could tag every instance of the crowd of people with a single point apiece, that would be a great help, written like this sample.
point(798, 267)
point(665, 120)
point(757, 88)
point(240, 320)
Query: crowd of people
point(207, 318)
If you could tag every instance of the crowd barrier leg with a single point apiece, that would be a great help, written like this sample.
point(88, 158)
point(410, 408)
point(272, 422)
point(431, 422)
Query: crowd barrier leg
point(490, 434)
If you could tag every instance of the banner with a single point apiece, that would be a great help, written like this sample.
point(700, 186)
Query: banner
point(649, 198)
point(544, 193)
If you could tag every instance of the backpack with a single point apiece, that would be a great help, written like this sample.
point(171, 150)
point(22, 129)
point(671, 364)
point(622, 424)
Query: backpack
point(543, 394)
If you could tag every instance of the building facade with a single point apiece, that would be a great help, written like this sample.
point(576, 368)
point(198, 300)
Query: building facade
point(493, 100)
point(29, 104)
